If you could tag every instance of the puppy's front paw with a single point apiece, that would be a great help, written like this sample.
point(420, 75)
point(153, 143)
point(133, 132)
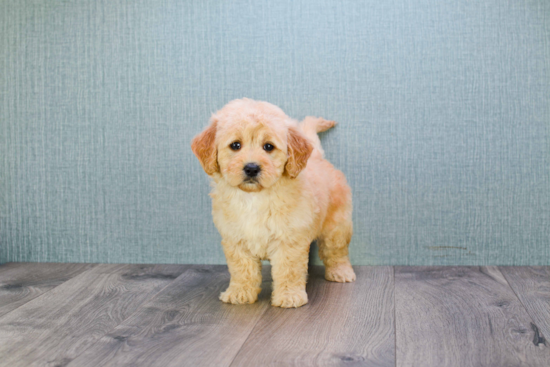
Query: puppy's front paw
point(341, 273)
point(289, 298)
point(240, 295)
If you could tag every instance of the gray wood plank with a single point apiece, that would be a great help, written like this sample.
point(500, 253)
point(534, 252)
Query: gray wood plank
point(532, 286)
point(184, 325)
point(462, 316)
point(343, 324)
point(22, 282)
point(59, 325)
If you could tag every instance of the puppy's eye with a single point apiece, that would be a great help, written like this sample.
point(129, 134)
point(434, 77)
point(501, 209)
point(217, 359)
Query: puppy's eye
point(268, 147)
point(235, 145)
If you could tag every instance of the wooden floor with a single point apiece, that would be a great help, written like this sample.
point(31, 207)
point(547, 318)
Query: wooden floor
point(170, 315)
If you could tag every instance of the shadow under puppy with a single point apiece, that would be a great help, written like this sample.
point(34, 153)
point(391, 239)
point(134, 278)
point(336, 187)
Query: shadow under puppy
point(273, 193)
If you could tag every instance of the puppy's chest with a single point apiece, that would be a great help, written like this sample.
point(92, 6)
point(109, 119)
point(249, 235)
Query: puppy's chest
point(257, 217)
point(257, 220)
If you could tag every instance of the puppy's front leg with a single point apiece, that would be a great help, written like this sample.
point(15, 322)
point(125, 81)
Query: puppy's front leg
point(246, 275)
point(289, 272)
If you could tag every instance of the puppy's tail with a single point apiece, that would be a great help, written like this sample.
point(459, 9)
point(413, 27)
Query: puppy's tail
point(311, 126)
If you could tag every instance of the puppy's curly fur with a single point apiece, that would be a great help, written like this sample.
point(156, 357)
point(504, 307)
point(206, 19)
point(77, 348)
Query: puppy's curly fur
point(296, 197)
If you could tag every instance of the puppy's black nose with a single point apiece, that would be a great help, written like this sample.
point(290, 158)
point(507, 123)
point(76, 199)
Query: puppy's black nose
point(252, 169)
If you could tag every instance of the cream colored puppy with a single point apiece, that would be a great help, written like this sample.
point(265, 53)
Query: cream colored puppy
point(273, 194)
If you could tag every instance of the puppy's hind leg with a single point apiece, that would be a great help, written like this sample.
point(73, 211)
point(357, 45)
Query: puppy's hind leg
point(333, 250)
point(333, 245)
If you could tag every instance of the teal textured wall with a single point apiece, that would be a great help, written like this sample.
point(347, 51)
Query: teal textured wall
point(443, 107)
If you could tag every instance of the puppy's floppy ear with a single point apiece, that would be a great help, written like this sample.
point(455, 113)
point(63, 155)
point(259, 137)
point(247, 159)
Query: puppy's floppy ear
point(299, 150)
point(204, 147)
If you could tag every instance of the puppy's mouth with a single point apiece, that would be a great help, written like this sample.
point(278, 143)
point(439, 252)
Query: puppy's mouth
point(250, 184)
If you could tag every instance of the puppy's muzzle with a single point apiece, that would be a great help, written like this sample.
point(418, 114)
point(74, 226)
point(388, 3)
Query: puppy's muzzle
point(251, 170)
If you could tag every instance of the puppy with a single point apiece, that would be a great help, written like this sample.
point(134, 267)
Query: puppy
point(273, 193)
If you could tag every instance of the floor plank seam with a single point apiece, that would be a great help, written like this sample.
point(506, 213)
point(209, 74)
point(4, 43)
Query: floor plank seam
point(48, 291)
point(534, 326)
point(248, 336)
point(132, 314)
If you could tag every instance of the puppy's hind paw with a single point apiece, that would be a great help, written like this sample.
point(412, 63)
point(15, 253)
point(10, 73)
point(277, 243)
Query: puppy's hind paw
point(342, 273)
point(240, 295)
point(289, 299)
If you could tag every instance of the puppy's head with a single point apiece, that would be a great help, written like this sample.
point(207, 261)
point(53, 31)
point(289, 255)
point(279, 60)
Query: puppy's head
point(251, 145)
